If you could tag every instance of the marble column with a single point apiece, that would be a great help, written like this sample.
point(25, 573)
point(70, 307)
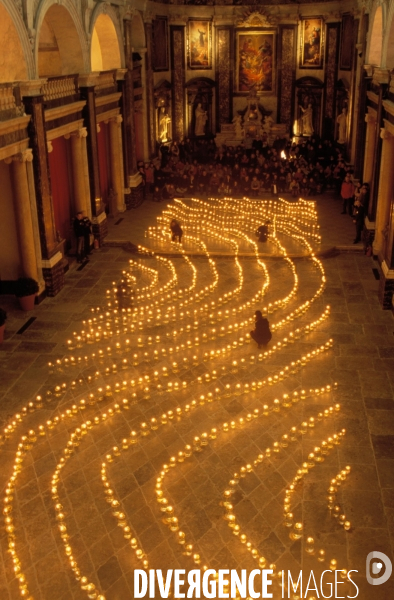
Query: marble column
point(87, 90)
point(78, 168)
point(369, 148)
point(34, 106)
point(134, 180)
point(385, 193)
point(115, 158)
point(150, 102)
point(20, 186)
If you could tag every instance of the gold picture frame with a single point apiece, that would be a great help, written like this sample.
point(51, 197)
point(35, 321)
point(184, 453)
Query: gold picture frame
point(199, 44)
point(255, 62)
point(312, 42)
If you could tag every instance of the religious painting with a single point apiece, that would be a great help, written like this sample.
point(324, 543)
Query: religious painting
point(347, 43)
point(160, 44)
point(199, 54)
point(255, 62)
point(311, 56)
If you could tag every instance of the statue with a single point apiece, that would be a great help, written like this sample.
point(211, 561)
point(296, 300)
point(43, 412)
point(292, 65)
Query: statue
point(239, 132)
point(268, 122)
point(201, 119)
point(253, 112)
point(306, 120)
point(342, 127)
point(164, 120)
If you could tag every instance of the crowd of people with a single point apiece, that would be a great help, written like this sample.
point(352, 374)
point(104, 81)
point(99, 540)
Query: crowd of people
point(306, 167)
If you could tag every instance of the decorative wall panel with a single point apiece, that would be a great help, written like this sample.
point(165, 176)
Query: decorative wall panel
point(286, 74)
point(160, 44)
point(223, 75)
point(347, 42)
point(178, 80)
point(330, 78)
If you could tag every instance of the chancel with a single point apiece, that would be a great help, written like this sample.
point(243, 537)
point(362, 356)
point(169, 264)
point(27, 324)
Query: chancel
point(196, 299)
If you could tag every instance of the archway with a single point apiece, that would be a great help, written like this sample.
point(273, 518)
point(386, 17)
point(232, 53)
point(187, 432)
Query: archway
point(104, 51)
point(59, 46)
point(138, 39)
point(13, 65)
point(376, 39)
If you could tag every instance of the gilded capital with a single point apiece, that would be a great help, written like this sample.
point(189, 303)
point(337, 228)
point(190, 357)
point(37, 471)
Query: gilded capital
point(384, 134)
point(370, 119)
point(25, 156)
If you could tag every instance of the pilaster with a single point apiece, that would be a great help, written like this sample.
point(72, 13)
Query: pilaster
point(20, 186)
point(38, 143)
point(385, 193)
point(87, 90)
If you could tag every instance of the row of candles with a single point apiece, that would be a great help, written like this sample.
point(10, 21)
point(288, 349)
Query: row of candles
point(200, 443)
point(278, 303)
point(99, 333)
point(75, 409)
point(156, 355)
point(28, 440)
point(249, 241)
point(136, 359)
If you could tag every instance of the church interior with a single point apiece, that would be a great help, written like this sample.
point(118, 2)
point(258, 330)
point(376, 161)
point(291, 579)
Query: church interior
point(144, 426)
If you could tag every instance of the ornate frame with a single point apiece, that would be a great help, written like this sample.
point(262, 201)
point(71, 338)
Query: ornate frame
point(346, 55)
point(160, 41)
point(193, 30)
point(308, 27)
point(244, 36)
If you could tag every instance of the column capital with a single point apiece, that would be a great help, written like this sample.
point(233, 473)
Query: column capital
point(82, 132)
point(120, 74)
point(25, 156)
point(118, 119)
point(384, 134)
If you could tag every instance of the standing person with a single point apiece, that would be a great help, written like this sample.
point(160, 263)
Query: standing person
point(79, 230)
point(86, 236)
point(347, 193)
point(358, 219)
point(261, 332)
point(176, 231)
point(149, 177)
point(262, 232)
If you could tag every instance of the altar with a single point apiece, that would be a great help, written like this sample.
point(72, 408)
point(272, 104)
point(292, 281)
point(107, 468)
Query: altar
point(254, 122)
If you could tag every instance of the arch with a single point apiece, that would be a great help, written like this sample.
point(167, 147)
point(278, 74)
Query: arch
point(196, 81)
point(60, 47)
point(376, 38)
point(106, 47)
point(16, 59)
point(138, 39)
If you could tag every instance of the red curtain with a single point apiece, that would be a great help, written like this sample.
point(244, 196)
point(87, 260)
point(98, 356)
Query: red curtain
point(103, 149)
point(61, 190)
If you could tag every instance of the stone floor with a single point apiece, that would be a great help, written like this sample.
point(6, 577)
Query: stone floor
point(62, 527)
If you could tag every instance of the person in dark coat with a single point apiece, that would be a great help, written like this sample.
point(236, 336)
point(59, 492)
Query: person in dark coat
point(176, 231)
point(262, 232)
point(87, 231)
point(261, 333)
point(358, 220)
point(79, 230)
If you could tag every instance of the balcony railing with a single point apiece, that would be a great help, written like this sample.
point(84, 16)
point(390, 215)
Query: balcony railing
point(10, 102)
point(106, 83)
point(60, 90)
